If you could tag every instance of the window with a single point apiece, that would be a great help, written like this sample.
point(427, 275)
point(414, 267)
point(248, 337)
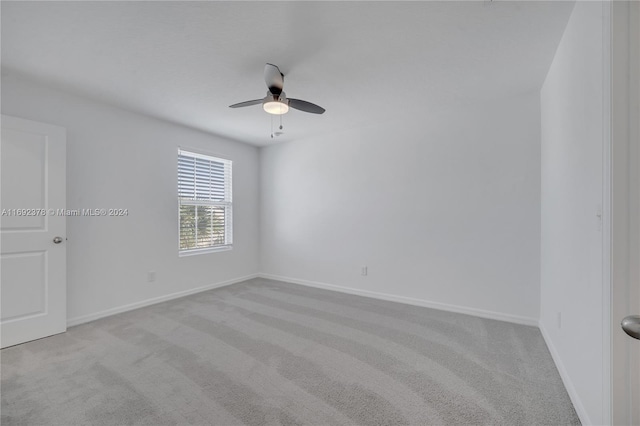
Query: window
point(204, 203)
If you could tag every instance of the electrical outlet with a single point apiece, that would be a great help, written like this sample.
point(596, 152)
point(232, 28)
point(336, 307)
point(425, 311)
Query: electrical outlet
point(151, 276)
point(364, 271)
point(559, 318)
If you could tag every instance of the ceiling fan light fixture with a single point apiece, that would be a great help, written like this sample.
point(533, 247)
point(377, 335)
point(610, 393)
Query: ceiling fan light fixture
point(275, 107)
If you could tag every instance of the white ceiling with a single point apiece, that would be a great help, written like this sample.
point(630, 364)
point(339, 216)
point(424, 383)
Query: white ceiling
point(365, 62)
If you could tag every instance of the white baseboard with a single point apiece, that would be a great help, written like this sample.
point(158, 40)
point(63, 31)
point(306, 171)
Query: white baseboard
point(119, 309)
point(568, 384)
point(409, 300)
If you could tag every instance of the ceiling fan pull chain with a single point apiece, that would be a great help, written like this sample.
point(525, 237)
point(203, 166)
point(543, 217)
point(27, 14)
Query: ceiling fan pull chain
point(272, 127)
point(280, 122)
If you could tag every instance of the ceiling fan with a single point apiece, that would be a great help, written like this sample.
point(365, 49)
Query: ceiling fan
point(276, 101)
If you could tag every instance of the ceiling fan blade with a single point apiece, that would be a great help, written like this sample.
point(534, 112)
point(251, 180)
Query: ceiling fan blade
point(274, 79)
point(247, 103)
point(305, 106)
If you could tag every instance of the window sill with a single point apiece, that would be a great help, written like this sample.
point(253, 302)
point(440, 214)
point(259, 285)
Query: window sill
point(194, 252)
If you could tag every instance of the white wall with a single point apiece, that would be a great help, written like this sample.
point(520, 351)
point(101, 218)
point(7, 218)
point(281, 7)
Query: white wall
point(120, 159)
point(449, 213)
point(571, 177)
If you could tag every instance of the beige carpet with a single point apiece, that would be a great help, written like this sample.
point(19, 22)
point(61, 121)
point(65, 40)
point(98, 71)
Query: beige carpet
point(267, 353)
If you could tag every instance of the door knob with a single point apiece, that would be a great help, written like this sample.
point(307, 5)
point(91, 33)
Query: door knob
point(57, 240)
point(631, 326)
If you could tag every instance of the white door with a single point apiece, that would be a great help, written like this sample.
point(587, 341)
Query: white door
point(33, 270)
point(633, 346)
point(625, 202)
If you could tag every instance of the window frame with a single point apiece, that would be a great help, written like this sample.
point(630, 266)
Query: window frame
point(227, 203)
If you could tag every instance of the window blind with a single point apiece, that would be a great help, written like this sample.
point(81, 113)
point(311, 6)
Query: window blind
point(203, 178)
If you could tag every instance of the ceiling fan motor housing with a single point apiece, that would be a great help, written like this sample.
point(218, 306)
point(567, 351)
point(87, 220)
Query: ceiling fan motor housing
point(276, 104)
